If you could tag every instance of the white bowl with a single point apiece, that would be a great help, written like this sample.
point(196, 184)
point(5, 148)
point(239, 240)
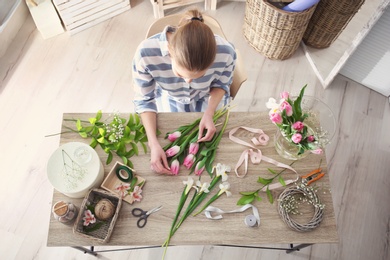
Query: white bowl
point(75, 168)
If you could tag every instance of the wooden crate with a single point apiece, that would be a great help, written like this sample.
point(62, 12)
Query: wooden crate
point(78, 15)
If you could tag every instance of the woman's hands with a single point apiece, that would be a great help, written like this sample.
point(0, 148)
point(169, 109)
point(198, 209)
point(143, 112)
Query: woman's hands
point(207, 128)
point(158, 159)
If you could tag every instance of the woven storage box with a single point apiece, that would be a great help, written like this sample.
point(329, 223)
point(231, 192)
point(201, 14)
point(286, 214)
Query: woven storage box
point(329, 20)
point(103, 233)
point(273, 32)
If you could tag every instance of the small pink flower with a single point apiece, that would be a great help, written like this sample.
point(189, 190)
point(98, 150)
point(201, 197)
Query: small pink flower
point(199, 169)
point(284, 95)
point(276, 118)
point(172, 137)
point(172, 151)
point(296, 138)
point(317, 151)
point(310, 138)
point(287, 107)
point(175, 166)
point(194, 147)
point(88, 218)
point(136, 193)
point(189, 160)
point(298, 126)
point(122, 189)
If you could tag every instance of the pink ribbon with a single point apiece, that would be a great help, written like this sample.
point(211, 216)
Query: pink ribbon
point(255, 154)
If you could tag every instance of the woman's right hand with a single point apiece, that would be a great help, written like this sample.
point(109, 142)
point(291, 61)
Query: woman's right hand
point(158, 160)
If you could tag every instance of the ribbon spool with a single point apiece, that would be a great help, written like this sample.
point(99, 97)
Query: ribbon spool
point(124, 173)
point(250, 220)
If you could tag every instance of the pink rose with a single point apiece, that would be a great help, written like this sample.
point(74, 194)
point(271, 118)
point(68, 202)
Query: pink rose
point(175, 166)
point(298, 126)
point(172, 137)
point(286, 106)
point(296, 138)
point(194, 147)
point(172, 151)
point(284, 95)
point(310, 138)
point(276, 118)
point(189, 160)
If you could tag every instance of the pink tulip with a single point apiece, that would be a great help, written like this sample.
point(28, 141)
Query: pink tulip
point(199, 169)
point(298, 126)
point(310, 138)
point(189, 160)
point(194, 147)
point(276, 118)
point(172, 151)
point(317, 151)
point(286, 106)
point(284, 95)
point(172, 137)
point(175, 166)
point(296, 138)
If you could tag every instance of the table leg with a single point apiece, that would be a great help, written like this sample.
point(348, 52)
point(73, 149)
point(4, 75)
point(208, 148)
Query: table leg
point(296, 248)
point(85, 250)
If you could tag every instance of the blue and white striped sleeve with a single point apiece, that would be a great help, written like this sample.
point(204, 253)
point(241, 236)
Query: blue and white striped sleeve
point(143, 82)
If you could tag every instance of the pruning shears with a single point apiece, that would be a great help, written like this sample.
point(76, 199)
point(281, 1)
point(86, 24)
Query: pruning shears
point(313, 176)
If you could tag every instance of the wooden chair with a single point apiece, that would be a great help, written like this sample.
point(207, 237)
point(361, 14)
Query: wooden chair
point(159, 6)
point(239, 75)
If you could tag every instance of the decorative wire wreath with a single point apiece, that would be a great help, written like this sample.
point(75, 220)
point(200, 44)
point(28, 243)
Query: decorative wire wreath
point(288, 204)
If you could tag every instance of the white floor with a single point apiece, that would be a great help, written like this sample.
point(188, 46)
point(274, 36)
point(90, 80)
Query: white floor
point(42, 79)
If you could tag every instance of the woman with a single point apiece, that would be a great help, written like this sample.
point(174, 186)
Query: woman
point(183, 69)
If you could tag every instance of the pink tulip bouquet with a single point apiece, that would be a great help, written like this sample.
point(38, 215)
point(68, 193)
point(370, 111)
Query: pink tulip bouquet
point(288, 116)
point(184, 149)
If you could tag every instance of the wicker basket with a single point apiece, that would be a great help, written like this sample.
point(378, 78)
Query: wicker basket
point(103, 233)
point(273, 32)
point(329, 20)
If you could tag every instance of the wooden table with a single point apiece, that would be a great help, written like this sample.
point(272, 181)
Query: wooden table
point(166, 191)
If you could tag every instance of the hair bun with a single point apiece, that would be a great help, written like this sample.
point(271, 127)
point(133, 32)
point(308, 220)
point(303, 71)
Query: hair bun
point(197, 19)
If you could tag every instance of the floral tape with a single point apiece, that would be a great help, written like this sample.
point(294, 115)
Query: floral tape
point(250, 220)
point(255, 154)
point(124, 173)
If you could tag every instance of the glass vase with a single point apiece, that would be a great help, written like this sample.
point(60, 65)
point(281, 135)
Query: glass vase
point(286, 149)
point(320, 123)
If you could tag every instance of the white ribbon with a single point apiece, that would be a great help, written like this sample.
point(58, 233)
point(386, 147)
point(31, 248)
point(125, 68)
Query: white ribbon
point(211, 209)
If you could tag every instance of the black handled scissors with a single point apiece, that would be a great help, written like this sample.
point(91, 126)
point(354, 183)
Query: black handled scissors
point(143, 215)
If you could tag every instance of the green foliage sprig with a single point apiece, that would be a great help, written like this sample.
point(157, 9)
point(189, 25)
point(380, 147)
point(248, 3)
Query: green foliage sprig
point(249, 196)
point(118, 136)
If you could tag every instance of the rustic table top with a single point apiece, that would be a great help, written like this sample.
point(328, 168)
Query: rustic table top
point(166, 191)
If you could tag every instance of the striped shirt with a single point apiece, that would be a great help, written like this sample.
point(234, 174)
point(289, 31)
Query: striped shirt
point(157, 88)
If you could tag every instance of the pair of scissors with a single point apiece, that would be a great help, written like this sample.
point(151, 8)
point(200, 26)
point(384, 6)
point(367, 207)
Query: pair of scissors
point(143, 215)
point(313, 176)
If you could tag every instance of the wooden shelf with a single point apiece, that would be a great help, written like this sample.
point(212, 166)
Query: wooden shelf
point(328, 62)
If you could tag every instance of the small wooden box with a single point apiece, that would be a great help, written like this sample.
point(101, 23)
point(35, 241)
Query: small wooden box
point(78, 15)
point(112, 181)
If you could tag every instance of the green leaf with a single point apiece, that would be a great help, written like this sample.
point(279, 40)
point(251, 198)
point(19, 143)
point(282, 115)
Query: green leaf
point(78, 125)
point(264, 181)
point(144, 147)
point(101, 139)
point(109, 158)
point(246, 199)
point(83, 134)
point(258, 198)
point(135, 148)
point(124, 159)
point(93, 143)
point(271, 171)
point(98, 115)
point(281, 180)
point(130, 164)
point(92, 120)
point(269, 195)
point(248, 192)
point(102, 131)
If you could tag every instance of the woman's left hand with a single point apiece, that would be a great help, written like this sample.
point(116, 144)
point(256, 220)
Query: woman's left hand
point(206, 124)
